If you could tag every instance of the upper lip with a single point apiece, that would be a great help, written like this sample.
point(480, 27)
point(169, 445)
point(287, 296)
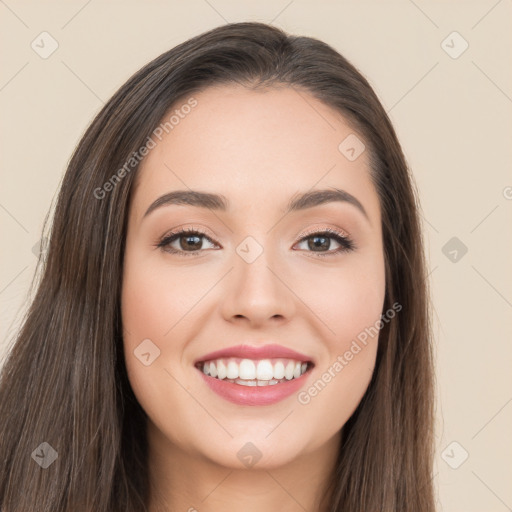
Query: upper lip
point(255, 352)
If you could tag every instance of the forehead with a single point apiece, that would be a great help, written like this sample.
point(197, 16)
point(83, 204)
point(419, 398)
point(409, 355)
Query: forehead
point(256, 147)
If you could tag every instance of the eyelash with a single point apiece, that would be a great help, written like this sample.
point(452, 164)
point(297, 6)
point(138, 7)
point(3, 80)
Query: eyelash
point(345, 242)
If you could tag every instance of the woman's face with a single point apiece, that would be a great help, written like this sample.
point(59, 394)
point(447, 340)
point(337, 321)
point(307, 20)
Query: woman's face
point(252, 274)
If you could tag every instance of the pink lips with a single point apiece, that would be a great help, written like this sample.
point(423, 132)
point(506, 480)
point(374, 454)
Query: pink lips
point(255, 395)
point(251, 352)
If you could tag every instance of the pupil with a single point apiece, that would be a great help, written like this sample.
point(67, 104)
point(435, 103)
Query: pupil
point(192, 237)
point(315, 239)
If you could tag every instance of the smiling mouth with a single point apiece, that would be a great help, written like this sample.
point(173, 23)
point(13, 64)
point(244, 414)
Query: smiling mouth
point(251, 372)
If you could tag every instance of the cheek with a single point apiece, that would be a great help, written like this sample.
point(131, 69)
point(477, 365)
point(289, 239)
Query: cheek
point(350, 304)
point(152, 302)
point(147, 315)
point(155, 298)
point(347, 298)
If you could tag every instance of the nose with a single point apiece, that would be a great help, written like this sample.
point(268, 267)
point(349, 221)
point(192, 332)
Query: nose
point(257, 293)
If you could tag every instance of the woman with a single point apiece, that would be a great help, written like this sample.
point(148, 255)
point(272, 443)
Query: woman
point(233, 311)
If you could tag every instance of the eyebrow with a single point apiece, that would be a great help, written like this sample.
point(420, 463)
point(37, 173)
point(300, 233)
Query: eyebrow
point(219, 202)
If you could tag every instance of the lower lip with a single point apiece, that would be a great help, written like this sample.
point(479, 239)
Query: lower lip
point(255, 395)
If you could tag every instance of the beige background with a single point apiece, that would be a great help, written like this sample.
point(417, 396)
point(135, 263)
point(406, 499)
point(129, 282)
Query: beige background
point(452, 115)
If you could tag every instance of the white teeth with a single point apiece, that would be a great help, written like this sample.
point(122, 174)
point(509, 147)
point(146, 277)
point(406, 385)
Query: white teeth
point(221, 370)
point(247, 369)
point(279, 370)
point(246, 382)
point(264, 371)
point(288, 372)
point(255, 373)
point(232, 372)
point(258, 383)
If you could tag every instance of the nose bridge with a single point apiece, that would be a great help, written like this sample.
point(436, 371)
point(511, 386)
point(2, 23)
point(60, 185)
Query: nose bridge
point(252, 268)
point(255, 290)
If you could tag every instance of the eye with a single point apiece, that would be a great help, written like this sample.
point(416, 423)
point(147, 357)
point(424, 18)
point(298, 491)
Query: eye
point(322, 240)
point(189, 241)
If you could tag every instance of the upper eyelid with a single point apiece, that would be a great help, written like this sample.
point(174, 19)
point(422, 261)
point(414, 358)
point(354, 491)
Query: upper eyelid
point(191, 230)
point(339, 232)
point(305, 233)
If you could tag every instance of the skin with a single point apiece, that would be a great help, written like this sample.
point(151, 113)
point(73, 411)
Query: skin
point(258, 149)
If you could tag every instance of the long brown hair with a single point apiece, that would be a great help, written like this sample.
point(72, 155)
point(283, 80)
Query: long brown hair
point(64, 382)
